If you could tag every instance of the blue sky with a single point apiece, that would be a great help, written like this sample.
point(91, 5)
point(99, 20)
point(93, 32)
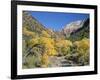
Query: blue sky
point(57, 20)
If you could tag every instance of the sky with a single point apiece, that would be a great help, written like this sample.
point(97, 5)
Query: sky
point(57, 20)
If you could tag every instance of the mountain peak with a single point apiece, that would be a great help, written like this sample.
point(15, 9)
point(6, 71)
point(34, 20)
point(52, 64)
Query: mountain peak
point(71, 27)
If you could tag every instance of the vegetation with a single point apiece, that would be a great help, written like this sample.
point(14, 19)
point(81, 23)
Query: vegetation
point(41, 44)
point(80, 52)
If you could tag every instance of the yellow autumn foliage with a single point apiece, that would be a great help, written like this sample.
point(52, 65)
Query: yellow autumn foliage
point(49, 46)
point(28, 33)
point(63, 43)
point(44, 60)
point(45, 34)
point(33, 41)
point(63, 46)
point(82, 46)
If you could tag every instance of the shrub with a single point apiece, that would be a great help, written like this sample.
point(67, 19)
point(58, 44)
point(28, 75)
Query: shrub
point(44, 60)
point(63, 46)
point(82, 51)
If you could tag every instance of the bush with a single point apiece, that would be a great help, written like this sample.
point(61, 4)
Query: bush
point(44, 60)
point(82, 51)
point(63, 47)
point(79, 52)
